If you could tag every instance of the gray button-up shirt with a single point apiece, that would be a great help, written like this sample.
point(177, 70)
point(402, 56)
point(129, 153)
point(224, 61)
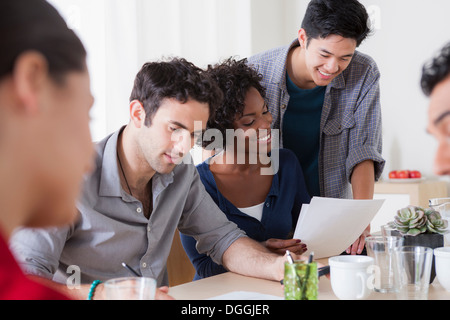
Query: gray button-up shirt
point(112, 228)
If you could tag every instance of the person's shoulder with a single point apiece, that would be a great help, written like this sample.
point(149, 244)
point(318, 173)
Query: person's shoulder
point(268, 58)
point(363, 58)
point(268, 54)
point(91, 180)
point(288, 160)
point(362, 61)
point(186, 167)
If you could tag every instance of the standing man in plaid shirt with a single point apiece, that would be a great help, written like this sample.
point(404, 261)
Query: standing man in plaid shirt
point(325, 100)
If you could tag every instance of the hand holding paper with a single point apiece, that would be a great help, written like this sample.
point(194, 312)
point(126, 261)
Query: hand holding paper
point(329, 226)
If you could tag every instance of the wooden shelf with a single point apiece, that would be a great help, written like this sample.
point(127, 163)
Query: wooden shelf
point(419, 192)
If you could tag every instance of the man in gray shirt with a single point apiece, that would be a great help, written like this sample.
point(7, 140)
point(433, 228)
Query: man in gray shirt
point(141, 192)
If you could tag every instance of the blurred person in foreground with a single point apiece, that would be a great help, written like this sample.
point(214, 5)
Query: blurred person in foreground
point(45, 142)
point(435, 83)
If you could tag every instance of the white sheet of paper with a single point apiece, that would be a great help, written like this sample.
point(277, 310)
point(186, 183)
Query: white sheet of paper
point(329, 226)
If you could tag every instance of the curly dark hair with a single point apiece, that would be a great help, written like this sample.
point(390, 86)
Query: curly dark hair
point(436, 70)
point(235, 79)
point(178, 79)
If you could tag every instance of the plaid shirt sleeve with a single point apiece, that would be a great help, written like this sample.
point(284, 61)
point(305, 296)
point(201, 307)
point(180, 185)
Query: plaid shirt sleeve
point(365, 141)
point(351, 126)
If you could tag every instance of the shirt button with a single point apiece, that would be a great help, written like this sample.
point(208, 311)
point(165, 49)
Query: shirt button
point(139, 209)
point(267, 204)
point(283, 106)
point(144, 265)
point(148, 228)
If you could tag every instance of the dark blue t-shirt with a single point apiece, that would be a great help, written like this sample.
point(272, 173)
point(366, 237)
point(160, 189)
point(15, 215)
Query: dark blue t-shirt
point(281, 209)
point(301, 130)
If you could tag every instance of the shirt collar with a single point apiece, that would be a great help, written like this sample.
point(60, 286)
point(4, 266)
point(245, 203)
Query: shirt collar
point(110, 179)
point(279, 71)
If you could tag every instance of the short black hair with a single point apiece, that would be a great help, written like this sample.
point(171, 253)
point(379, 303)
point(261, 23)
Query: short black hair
point(346, 18)
point(176, 78)
point(235, 79)
point(436, 70)
point(27, 25)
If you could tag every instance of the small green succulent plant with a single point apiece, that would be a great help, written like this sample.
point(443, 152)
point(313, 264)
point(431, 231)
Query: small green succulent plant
point(414, 220)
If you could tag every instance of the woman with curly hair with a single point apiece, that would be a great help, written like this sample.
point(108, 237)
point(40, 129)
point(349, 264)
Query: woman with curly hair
point(266, 206)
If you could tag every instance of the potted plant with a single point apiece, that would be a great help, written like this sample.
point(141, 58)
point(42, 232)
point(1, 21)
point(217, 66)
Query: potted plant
point(421, 227)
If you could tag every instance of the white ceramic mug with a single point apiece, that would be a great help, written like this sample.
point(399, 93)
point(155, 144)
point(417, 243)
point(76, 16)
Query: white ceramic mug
point(442, 260)
point(349, 276)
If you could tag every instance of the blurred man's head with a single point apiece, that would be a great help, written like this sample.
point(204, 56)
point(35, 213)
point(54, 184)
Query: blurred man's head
point(45, 100)
point(436, 84)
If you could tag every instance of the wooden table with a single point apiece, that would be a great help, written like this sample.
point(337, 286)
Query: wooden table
point(229, 282)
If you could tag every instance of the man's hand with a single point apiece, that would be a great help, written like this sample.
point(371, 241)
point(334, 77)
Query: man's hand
point(162, 293)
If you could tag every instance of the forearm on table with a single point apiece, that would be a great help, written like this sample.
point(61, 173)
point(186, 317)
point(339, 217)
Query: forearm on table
point(248, 257)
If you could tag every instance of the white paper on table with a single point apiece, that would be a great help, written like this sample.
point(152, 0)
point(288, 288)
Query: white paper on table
point(329, 226)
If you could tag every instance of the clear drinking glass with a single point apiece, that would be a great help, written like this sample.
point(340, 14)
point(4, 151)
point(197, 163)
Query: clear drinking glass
point(388, 231)
point(412, 271)
point(130, 288)
point(442, 205)
point(381, 249)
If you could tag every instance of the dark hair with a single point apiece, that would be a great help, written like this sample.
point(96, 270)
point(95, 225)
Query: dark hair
point(35, 25)
point(346, 18)
point(178, 79)
point(235, 78)
point(436, 70)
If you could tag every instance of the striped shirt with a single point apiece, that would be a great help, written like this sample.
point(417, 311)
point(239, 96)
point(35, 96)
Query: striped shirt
point(350, 125)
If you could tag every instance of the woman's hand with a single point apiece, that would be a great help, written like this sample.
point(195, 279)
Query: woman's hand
point(358, 246)
point(280, 246)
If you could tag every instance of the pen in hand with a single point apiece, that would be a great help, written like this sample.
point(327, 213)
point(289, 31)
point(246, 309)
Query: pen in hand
point(131, 269)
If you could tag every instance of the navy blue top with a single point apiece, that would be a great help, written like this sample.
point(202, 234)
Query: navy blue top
point(281, 209)
point(301, 122)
